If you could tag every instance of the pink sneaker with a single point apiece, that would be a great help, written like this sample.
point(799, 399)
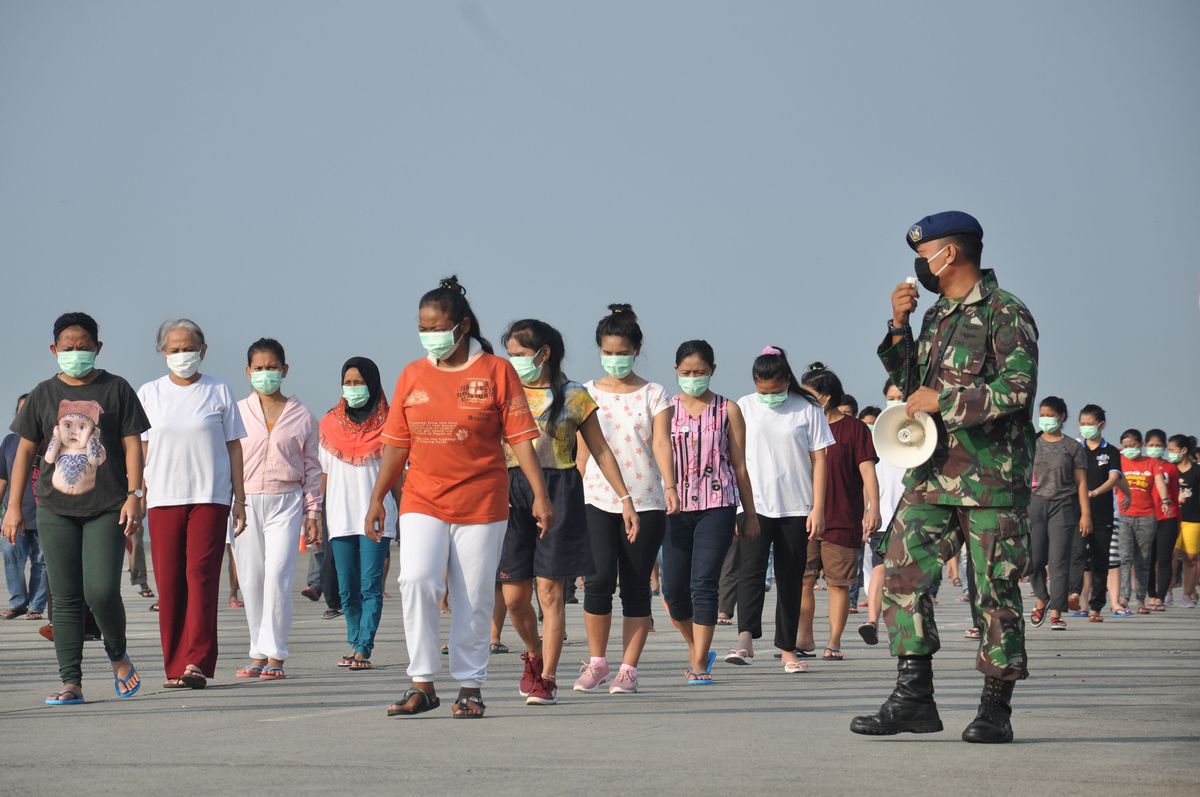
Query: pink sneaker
point(533, 671)
point(544, 692)
point(624, 684)
point(592, 676)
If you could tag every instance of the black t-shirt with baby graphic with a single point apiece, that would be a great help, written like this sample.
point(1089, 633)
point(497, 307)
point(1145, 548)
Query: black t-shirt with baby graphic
point(79, 430)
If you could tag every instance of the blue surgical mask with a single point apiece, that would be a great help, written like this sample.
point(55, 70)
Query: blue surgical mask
point(772, 400)
point(356, 395)
point(440, 345)
point(617, 366)
point(694, 386)
point(77, 364)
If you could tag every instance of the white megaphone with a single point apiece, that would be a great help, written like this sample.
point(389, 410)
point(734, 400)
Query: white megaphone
point(903, 441)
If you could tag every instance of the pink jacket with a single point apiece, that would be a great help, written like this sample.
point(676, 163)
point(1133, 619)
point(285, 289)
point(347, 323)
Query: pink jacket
point(285, 458)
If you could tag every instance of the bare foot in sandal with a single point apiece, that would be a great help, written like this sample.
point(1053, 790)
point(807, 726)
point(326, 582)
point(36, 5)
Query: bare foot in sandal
point(469, 704)
point(421, 697)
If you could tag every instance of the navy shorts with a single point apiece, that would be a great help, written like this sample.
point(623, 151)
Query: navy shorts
point(565, 551)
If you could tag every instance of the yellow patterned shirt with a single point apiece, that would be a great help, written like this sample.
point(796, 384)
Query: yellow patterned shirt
point(556, 452)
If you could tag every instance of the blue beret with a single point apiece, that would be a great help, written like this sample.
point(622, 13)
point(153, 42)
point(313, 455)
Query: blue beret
point(941, 225)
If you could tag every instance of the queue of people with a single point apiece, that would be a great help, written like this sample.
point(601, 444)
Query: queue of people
point(502, 476)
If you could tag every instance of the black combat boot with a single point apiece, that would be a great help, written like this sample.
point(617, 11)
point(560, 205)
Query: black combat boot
point(992, 724)
point(910, 708)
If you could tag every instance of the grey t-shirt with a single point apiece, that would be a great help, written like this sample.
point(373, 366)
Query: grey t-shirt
point(1054, 466)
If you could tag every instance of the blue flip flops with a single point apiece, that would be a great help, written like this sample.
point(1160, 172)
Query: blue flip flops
point(120, 683)
point(62, 699)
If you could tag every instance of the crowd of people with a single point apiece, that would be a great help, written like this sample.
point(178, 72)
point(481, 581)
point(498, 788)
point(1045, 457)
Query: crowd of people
point(501, 479)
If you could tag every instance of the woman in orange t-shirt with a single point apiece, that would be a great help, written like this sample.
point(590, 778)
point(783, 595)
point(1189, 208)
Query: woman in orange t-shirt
point(451, 413)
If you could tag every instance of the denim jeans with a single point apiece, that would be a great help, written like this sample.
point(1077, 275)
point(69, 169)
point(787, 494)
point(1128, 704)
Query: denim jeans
point(1137, 555)
point(693, 551)
point(29, 594)
point(359, 561)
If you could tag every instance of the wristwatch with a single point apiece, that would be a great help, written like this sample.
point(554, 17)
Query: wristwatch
point(139, 493)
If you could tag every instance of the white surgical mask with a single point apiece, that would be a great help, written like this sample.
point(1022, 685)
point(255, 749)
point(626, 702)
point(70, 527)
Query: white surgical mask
point(184, 364)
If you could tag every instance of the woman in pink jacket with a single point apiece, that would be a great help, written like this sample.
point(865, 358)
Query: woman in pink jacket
point(283, 499)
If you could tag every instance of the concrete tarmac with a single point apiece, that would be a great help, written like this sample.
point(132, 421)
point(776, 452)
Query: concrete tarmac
point(1110, 709)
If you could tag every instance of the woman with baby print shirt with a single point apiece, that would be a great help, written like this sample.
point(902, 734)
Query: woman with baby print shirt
point(89, 492)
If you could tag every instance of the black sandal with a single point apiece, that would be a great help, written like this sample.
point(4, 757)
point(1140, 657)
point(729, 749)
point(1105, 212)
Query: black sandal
point(426, 704)
point(357, 665)
point(869, 633)
point(146, 592)
point(463, 706)
point(194, 679)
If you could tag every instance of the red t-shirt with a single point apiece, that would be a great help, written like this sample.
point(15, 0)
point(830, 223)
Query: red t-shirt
point(1140, 475)
point(844, 504)
point(1170, 472)
point(453, 423)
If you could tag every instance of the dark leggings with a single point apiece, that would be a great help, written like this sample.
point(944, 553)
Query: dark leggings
point(1091, 553)
point(84, 558)
point(1166, 534)
point(693, 552)
point(790, 538)
point(614, 555)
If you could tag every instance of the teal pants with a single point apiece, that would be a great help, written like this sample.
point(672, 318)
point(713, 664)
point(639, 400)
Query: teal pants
point(84, 558)
point(359, 562)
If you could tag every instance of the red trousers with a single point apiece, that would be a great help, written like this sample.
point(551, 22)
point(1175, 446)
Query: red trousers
point(187, 544)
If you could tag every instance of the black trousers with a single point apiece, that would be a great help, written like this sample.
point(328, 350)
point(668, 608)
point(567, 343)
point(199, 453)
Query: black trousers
point(616, 558)
point(1091, 553)
point(1166, 534)
point(727, 587)
point(790, 537)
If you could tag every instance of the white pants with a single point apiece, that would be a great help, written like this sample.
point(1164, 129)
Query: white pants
point(265, 554)
point(432, 553)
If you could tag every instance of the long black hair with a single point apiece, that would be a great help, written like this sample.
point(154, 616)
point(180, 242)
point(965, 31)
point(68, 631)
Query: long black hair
point(620, 322)
point(773, 365)
point(1187, 442)
point(451, 298)
point(701, 348)
point(825, 383)
point(370, 375)
point(534, 334)
point(1057, 404)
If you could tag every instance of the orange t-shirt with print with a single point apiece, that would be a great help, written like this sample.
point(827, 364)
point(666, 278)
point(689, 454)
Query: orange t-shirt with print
point(454, 424)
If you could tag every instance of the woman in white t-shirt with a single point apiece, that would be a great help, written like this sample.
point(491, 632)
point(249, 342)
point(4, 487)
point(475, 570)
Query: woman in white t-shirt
point(635, 416)
point(351, 437)
point(786, 438)
point(193, 457)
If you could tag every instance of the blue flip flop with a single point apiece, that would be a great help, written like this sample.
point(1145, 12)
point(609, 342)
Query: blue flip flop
point(119, 683)
point(712, 658)
point(75, 700)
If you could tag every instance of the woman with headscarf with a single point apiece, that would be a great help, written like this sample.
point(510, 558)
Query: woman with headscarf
point(351, 453)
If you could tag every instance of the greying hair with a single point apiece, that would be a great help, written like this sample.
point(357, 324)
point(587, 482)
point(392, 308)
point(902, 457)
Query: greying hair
point(171, 324)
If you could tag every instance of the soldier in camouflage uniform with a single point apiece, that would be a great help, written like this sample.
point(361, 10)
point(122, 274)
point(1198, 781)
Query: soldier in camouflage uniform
point(974, 368)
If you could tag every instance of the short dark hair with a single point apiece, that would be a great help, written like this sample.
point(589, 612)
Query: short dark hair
point(1094, 410)
point(969, 246)
point(266, 344)
point(851, 401)
point(1159, 433)
point(888, 385)
point(1055, 403)
point(870, 411)
point(1134, 433)
point(700, 348)
point(81, 320)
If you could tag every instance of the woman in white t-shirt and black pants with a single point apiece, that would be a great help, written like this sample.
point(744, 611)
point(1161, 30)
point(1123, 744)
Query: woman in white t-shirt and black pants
point(786, 438)
point(635, 416)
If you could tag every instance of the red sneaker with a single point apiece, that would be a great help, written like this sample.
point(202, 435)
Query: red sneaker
point(532, 673)
point(544, 691)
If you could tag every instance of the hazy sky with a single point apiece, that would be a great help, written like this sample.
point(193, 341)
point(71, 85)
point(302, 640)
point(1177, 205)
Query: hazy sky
point(743, 172)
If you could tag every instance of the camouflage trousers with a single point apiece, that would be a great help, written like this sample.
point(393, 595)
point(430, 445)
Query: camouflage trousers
point(923, 536)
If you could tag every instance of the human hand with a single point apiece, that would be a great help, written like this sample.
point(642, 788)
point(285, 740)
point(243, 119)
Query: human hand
point(904, 302)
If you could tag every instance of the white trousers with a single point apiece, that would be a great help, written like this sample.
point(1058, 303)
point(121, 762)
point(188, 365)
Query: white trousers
point(265, 554)
point(432, 553)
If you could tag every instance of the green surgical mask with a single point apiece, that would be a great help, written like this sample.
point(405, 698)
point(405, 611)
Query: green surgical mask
point(871, 426)
point(77, 364)
point(694, 385)
point(1131, 453)
point(1154, 452)
point(440, 345)
point(771, 400)
point(1049, 425)
point(1174, 457)
point(1089, 432)
point(895, 403)
point(525, 368)
point(266, 382)
point(356, 395)
point(618, 366)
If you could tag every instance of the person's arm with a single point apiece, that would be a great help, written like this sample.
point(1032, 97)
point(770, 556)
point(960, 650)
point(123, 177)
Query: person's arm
point(582, 454)
point(236, 470)
point(131, 512)
point(1126, 497)
point(898, 352)
point(1085, 504)
point(816, 518)
point(871, 518)
point(313, 485)
point(14, 518)
point(1114, 478)
point(664, 457)
point(1012, 389)
point(737, 455)
point(391, 471)
point(593, 442)
point(541, 509)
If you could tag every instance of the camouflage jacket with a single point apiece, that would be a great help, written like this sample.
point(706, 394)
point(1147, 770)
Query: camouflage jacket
point(986, 380)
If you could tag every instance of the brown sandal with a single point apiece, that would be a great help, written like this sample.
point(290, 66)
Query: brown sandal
point(427, 703)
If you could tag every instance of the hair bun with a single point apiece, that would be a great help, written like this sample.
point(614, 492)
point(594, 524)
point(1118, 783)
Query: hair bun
point(817, 366)
point(451, 284)
point(623, 309)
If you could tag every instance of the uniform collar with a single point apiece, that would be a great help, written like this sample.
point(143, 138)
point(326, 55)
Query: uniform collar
point(983, 289)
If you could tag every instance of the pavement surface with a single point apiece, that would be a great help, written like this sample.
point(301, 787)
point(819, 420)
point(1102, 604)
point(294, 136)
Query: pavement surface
point(1111, 708)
